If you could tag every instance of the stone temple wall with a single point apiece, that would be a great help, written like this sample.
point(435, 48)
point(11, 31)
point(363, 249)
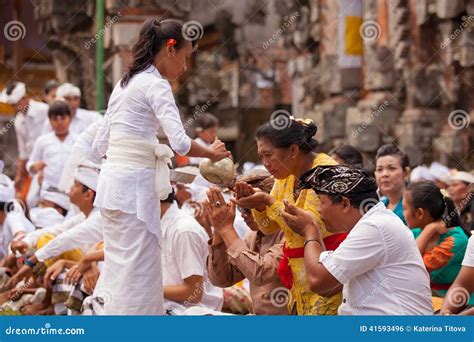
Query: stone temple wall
point(405, 76)
point(367, 71)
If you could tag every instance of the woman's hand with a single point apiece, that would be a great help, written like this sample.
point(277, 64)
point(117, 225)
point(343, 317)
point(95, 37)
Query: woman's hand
point(301, 222)
point(437, 227)
point(218, 151)
point(243, 189)
point(259, 200)
point(221, 214)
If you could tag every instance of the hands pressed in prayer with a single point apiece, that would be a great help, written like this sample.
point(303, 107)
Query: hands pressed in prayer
point(250, 198)
point(202, 216)
point(220, 213)
point(243, 189)
point(218, 151)
point(301, 222)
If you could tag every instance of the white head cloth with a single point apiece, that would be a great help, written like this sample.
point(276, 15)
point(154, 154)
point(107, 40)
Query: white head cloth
point(7, 189)
point(87, 173)
point(45, 217)
point(56, 196)
point(462, 176)
point(67, 89)
point(15, 96)
point(439, 171)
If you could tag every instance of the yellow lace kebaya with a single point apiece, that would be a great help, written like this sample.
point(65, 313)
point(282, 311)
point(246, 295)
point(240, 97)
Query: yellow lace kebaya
point(271, 220)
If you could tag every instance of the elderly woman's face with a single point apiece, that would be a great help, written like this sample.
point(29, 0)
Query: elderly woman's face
point(457, 190)
point(276, 160)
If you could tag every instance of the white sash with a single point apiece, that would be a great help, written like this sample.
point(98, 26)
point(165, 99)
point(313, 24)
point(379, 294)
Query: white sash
point(138, 152)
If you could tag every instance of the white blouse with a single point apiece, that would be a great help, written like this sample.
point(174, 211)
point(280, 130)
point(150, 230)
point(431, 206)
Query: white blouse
point(139, 110)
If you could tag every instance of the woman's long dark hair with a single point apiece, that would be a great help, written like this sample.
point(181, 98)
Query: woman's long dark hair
point(152, 37)
point(427, 195)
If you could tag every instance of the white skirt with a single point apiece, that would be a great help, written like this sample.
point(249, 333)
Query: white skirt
point(131, 281)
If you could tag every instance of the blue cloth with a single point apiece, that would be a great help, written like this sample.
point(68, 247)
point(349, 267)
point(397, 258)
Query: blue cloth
point(398, 210)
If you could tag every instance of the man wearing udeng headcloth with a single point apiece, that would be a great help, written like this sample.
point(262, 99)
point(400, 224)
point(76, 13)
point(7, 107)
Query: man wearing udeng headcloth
point(378, 264)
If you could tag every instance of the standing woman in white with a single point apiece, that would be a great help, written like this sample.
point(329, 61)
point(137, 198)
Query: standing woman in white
point(135, 175)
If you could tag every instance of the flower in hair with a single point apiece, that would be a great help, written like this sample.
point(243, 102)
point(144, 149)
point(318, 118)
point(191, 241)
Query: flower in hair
point(171, 42)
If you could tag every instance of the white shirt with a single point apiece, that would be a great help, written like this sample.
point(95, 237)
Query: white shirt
point(30, 126)
point(140, 109)
point(184, 254)
point(31, 239)
point(54, 153)
point(469, 256)
point(15, 222)
point(381, 268)
point(82, 235)
point(197, 160)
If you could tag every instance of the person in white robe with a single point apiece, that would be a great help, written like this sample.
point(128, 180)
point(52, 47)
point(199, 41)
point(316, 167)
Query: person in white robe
point(80, 118)
point(30, 121)
point(184, 256)
point(51, 151)
point(135, 175)
point(80, 231)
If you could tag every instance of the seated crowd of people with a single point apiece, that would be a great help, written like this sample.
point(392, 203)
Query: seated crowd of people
point(302, 233)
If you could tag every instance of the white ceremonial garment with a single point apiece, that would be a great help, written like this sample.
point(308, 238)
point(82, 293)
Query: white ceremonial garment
point(15, 222)
point(31, 239)
point(82, 149)
point(381, 268)
point(54, 153)
point(184, 254)
point(30, 126)
point(82, 236)
point(127, 195)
